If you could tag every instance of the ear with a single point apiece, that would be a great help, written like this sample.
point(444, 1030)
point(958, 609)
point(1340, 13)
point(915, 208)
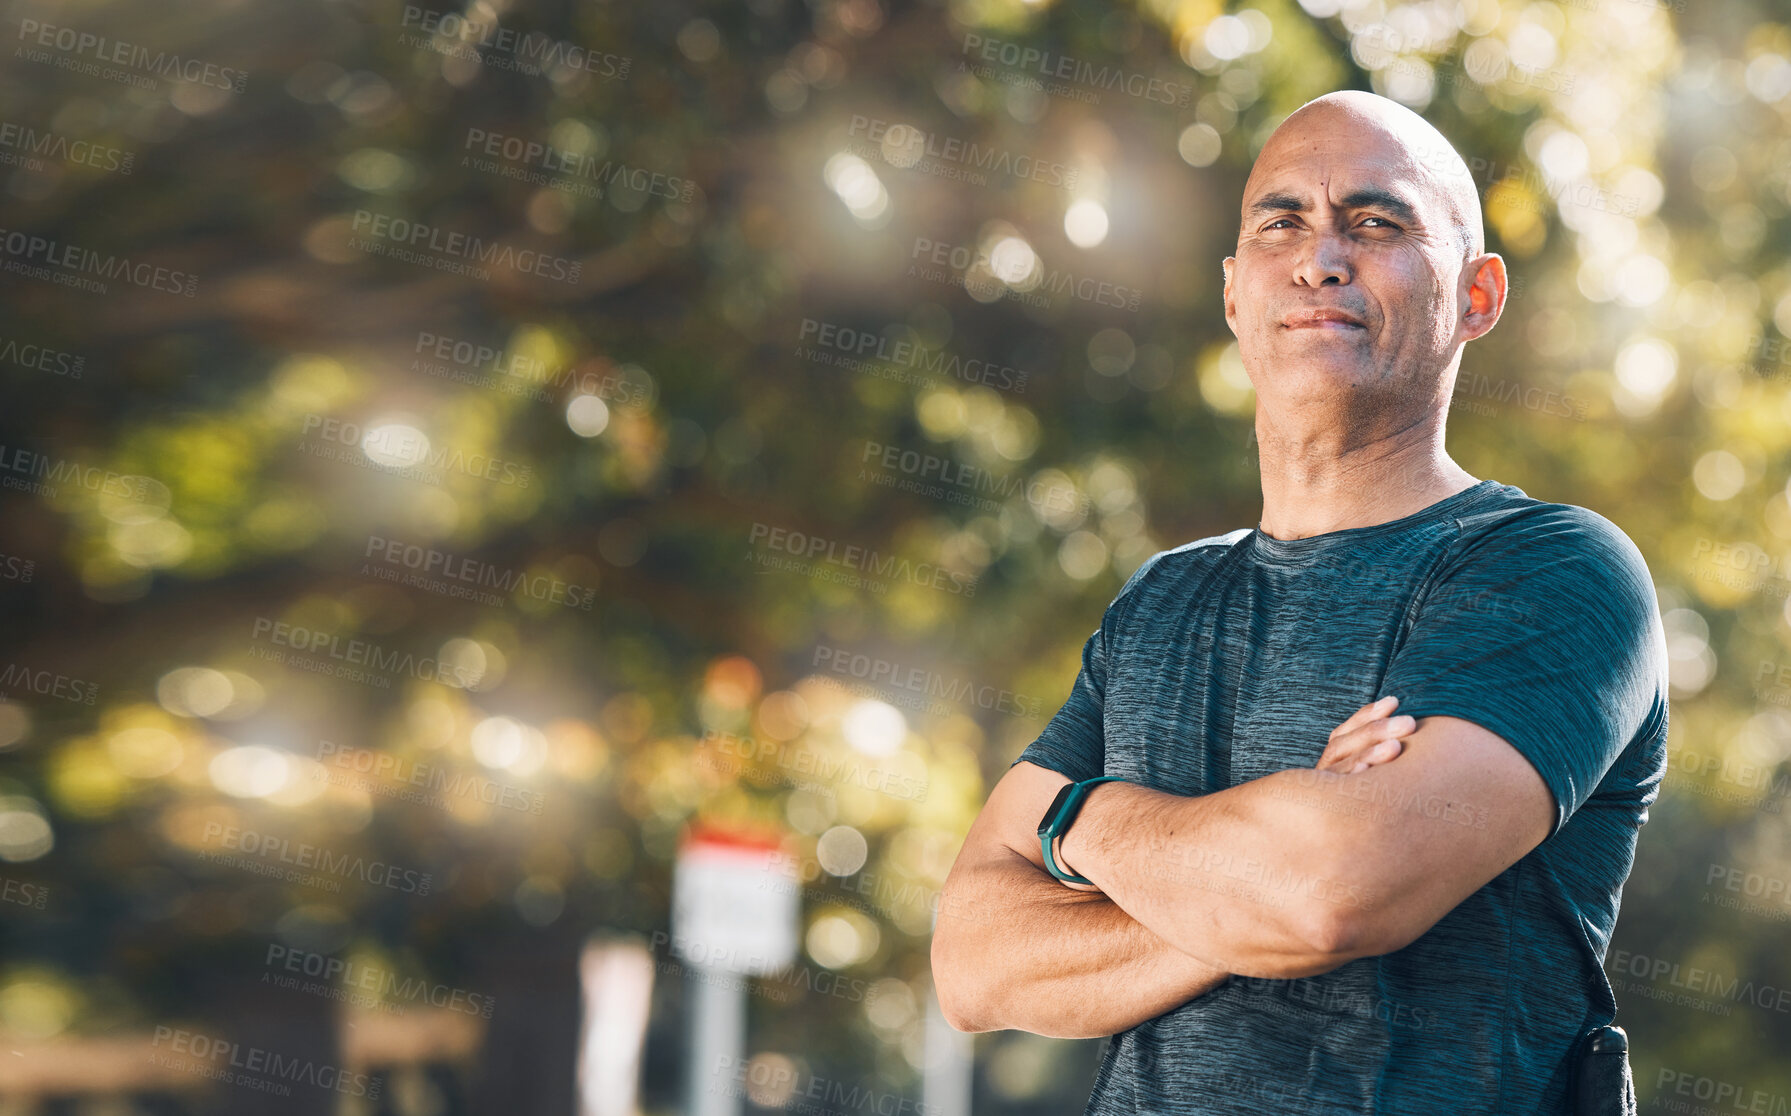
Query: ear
point(1484, 287)
point(1231, 311)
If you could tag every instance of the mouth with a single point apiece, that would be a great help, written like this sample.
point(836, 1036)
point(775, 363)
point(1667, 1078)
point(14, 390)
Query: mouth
point(1322, 319)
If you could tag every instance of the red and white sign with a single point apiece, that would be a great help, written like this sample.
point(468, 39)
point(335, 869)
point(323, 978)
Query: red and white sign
point(735, 903)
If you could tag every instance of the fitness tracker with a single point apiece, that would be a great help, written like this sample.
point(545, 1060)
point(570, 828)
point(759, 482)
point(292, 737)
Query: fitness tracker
point(1057, 819)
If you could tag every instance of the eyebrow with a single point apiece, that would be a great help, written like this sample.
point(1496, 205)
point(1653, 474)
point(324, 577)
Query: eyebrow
point(1368, 197)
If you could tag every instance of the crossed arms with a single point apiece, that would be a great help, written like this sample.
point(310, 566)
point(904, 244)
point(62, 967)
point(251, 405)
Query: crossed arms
point(1290, 875)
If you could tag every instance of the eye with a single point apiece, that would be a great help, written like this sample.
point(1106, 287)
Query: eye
point(1382, 220)
point(1277, 221)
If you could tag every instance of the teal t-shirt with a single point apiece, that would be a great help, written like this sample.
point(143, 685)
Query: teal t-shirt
point(1233, 657)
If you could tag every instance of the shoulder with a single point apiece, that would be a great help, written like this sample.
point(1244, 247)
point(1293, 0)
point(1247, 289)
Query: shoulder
point(1166, 564)
point(1554, 555)
point(1518, 527)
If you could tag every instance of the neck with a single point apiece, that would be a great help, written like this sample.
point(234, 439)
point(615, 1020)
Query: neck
point(1322, 478)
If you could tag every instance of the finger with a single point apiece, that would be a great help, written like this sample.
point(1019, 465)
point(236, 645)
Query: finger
point(1357, 742)
point(1383, 752)
point(1380, 753)
point(1374, 732)
point(1369, 735)
point(1339, 743)
point(1368, 712)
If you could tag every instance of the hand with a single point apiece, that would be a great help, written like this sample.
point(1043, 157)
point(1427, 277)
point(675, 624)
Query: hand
point(1367, 738)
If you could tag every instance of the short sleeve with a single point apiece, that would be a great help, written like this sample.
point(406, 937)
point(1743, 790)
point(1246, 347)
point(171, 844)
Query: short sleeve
point(1545, 630)
point(1074, 742)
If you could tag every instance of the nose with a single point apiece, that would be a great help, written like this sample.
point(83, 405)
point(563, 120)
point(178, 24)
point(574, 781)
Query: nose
point(1325, 260)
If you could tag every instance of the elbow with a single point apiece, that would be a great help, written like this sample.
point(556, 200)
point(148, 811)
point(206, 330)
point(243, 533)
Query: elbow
point(1345, 911)
point(1334, 935)
point(1339, 932)
point(961, 1001)
point(959, 1019)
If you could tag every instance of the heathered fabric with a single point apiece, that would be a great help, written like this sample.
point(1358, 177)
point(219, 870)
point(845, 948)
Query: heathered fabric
point(1233, 657)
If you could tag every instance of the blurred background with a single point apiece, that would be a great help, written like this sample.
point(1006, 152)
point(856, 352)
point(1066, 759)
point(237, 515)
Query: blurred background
point(529, 529)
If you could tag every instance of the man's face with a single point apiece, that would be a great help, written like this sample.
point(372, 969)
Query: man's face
point(1348, 266)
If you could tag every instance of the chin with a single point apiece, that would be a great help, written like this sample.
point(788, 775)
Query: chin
point(1333, 358)
point(1320, 374)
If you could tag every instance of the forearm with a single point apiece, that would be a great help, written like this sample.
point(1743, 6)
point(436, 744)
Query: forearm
point(1242, 877)
point(1013, 948)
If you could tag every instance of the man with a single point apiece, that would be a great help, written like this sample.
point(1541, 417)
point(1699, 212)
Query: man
point(1398, 914)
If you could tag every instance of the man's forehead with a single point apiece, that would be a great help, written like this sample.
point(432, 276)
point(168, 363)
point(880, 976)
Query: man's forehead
point(1339, 162)
point(1356, 153)
point(1336, 185)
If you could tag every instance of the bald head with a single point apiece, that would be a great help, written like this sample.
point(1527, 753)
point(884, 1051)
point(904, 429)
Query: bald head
point(1406, 141)
point(1360, 269)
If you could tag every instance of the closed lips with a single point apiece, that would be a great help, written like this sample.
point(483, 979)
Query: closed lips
point(1321, 319)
